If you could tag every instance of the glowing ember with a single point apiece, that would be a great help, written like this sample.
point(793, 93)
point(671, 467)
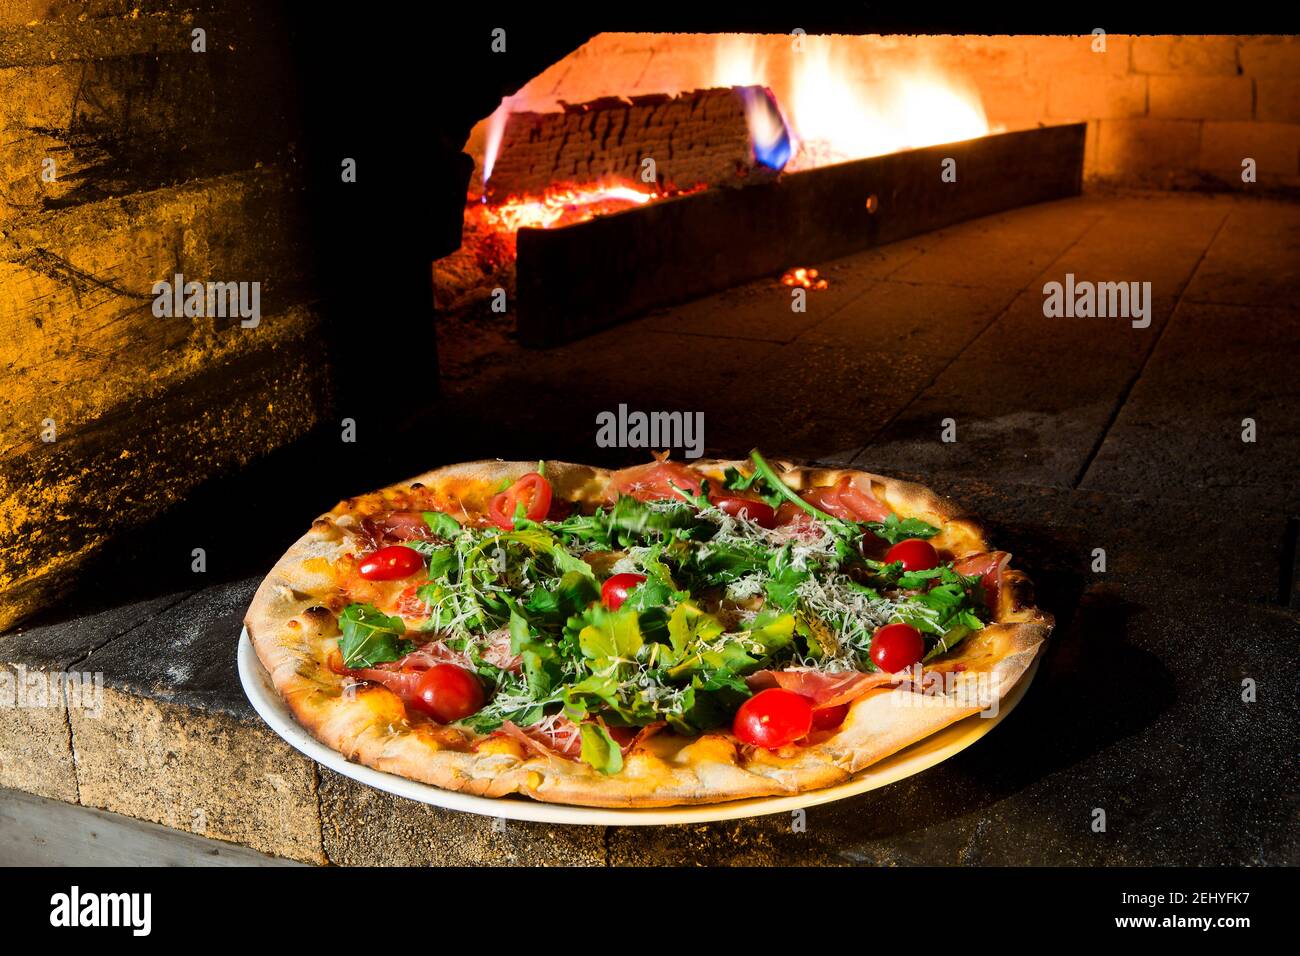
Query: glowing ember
point(804, 278)
point(490, 227)
point(561, 206)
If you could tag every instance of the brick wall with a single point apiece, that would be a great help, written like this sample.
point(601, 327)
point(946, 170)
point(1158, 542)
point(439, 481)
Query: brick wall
point(1162, 111)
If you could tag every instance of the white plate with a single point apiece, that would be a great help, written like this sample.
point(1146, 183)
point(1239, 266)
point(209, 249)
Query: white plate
point(920, 756)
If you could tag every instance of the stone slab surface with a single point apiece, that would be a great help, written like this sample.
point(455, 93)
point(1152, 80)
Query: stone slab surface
point(363, 826)
point(1181, 430)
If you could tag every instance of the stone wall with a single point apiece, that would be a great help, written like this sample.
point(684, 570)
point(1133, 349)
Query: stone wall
point(126, 157)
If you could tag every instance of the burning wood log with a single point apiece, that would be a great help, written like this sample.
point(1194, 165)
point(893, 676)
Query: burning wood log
point(700, 137)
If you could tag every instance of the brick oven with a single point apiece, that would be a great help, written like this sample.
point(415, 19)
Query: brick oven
point(838, 241)
point(726, 126)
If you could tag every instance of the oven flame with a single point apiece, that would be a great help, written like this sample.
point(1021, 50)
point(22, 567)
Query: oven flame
point(496, 129)
point(834, 113)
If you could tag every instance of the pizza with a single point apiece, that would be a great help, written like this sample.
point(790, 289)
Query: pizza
point(665, 634)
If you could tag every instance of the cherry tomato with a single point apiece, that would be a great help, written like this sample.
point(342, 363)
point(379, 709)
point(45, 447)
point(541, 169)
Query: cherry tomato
point(533, 490)
point(616, 589)
point(828, 718)
point(773, 718)
point(447, 693)
point(916, 555)
point(391, 563)
point(896, 647)
point(757, 511)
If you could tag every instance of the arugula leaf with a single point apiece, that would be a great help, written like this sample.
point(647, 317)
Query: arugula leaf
point(541, 663)
point(700, 501)
point(371, 637)
point(611, 634)
point(720, 562)
point(772, 631)
point(948, 641)
point(441, 562)
point(688, 624)
point(637, 519)
point(783, 580)
point(700, 709)
point(593, 529)
point(570, 595)
point(441, 524)
point(733, 479)
point(894, 529)
point(599, 749)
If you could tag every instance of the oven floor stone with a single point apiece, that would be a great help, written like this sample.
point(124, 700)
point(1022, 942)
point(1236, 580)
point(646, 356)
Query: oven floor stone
point(1073, 435)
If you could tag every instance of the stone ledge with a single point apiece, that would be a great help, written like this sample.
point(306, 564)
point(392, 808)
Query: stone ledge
point(205, 773)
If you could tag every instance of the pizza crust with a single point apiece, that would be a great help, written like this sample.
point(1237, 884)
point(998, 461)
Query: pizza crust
point(369, 726)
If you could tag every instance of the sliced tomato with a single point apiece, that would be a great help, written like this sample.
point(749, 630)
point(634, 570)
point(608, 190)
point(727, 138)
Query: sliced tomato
point(655, 481)
point(760, 512)
point(531, 489)
point(773, 718)
point(391, 563)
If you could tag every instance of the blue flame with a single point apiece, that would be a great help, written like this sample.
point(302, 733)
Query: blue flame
point(768, 131)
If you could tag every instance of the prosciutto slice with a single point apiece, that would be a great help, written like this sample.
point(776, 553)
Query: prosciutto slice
point(844, 499)
point(824, 690)
point(560, 737)
point(552, 737)
point(654, 482)
point(498, 653)
point(395, 527)
point(989, 565)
